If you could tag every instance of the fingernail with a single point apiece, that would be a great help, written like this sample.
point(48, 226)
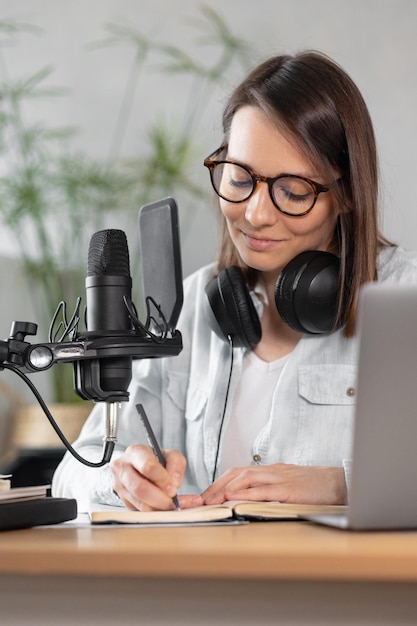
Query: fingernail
point(171, 490)
point(176, 479)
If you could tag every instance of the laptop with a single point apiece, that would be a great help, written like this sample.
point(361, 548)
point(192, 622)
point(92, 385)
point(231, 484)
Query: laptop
point(383, 492)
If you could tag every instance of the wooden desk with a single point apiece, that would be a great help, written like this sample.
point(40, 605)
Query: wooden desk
point(261, 573)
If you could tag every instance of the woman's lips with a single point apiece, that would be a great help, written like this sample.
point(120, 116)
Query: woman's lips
point(260, 243)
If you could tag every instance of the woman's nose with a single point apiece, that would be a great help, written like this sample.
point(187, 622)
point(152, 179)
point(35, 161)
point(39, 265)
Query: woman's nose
point(260, 210)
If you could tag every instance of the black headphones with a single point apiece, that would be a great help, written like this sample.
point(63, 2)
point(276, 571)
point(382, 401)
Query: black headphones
point(306, 296)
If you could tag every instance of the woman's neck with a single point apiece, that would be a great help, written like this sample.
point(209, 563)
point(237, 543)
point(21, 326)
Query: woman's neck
point(278, 339)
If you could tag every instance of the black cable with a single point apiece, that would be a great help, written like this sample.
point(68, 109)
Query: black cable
point(108, 445)
point(230, 340)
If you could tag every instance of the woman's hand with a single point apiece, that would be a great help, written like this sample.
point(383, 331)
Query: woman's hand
point(280, 482)
point(142, 483)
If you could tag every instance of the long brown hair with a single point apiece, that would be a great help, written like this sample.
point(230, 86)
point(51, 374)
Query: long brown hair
point(323, 111)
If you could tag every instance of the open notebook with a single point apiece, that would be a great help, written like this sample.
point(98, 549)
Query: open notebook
point(383, 491)
point(255, 511)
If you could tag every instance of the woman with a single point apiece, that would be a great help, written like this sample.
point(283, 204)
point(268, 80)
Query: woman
point(268, 417)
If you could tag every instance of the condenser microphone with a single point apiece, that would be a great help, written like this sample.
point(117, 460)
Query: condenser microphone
point(108, 294)
point(102, 354)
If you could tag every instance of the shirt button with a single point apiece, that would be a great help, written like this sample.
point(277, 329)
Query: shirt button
point(256, 458)
point(350, 391)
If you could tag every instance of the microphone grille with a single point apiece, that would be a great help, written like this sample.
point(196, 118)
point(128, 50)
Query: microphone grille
point(108, 254)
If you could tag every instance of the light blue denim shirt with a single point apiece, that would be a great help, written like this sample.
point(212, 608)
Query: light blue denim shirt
point(310, 421)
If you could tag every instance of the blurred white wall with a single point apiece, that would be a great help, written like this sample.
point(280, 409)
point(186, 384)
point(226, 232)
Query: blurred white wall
point(374, 40)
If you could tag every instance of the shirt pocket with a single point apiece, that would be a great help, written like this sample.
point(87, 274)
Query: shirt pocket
point(327, 399)
point(327, 384)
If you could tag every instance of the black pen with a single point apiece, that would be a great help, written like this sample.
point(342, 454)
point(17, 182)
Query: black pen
point(154, 444)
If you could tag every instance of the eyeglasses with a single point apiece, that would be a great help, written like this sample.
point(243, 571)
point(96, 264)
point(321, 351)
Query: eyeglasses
point(290, 194)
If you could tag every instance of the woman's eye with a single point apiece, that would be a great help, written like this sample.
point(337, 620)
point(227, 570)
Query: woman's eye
point(294, 197)
point(233, 182)
point(293, 190)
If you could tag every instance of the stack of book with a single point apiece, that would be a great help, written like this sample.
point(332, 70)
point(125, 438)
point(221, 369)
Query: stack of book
point(23, 507)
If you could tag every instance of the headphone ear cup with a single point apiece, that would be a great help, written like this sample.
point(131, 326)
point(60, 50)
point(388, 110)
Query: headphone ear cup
point(307, 292)
point(232, 312)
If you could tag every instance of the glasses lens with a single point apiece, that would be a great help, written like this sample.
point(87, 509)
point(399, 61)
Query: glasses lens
point(293, 195)
point(232, 182)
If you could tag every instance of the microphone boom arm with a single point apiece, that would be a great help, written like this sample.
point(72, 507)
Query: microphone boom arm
point(21, 357)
